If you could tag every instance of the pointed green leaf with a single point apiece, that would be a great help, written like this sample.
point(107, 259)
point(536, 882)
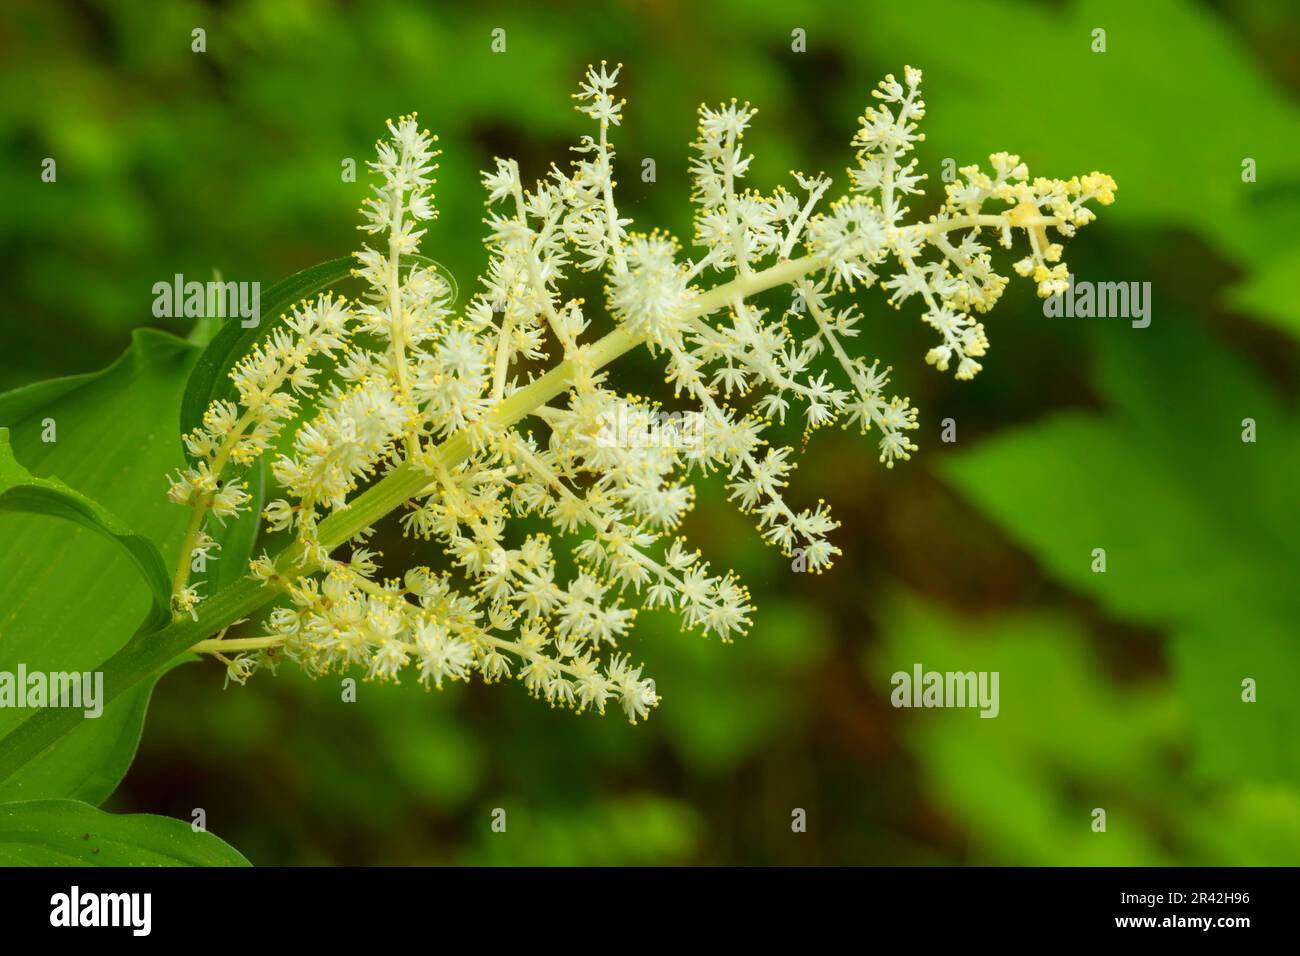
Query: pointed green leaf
point(67, 599)
point(1199, 527)
point(71, 833)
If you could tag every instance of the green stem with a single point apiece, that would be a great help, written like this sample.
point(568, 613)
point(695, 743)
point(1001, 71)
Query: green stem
point(182, 576)
point(149, 653)
point(219, 644)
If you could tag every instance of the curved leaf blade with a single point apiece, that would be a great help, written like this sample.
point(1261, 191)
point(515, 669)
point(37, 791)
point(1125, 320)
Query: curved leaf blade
point(71, 833)
point(67, 600)
point(23, 492)
point(90, 762)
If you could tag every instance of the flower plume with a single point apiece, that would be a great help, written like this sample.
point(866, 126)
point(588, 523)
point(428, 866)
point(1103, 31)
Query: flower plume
point(447, 405)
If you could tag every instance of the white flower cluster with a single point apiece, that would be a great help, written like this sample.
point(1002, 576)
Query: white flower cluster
point(412, 383)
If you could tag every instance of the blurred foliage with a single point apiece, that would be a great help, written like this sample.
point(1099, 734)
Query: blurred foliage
point(1200, 530)
point(1069, 740)
point(1119, 690)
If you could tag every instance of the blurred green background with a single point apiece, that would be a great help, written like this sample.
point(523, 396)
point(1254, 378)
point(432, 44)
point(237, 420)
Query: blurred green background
point(1119, 690)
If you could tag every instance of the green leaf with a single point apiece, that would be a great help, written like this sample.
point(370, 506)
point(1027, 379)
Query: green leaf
point(1063, 742)
point(1069, 737)
point(90, 762)
point(71, 833)
point(67, 599)
point(210, 379)
point(21, 492)
point(1196, 523)
point(1199, 527)
point(1158, 153)
point(1271, 292)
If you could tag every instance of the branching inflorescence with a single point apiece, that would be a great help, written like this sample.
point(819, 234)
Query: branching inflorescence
point(412, 386)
